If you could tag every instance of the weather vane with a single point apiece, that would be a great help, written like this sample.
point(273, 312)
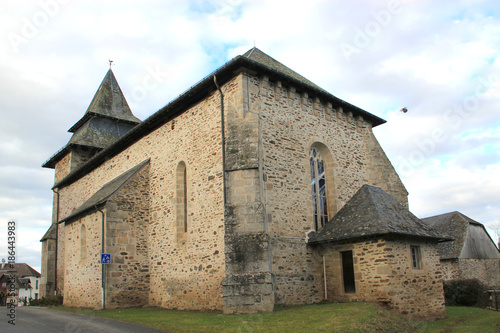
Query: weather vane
point(110, 63)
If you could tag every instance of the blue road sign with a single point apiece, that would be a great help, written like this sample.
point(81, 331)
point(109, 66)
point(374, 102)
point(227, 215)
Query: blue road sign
point(105, 258)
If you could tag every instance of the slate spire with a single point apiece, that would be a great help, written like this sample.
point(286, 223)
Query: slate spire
point(108, 102)
point(107, 118)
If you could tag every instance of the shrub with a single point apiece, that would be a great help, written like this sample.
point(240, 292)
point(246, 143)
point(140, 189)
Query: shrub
point(466, 292)
point(47, 301)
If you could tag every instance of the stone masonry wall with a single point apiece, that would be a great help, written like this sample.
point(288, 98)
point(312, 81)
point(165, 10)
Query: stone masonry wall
point(247, 285)
point(62, 168)
point(184, 274)
point(298, 272)
point(127, 277)
point(450, 269)
point(485, 270)
point(418, 292)
point(47, 267)
point(383, 274)
point(83, 275)
point(80, 155)
point(61, 257)
point(381, 172)
point(291, 122)
point(370, 272)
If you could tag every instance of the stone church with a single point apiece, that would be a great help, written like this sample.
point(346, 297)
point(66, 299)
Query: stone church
point(254, 188)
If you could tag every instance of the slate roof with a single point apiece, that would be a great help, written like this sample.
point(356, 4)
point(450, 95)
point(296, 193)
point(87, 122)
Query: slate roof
point(50, 234)
point(6, 278)
point(20, 270)
point(107, 118)
point(99, 132)
point(108, 102)
point(471, 239)
point(372, 212)
point(105, 192)
point(254, 61)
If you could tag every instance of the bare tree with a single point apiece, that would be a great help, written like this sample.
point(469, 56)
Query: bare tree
point(495, 226)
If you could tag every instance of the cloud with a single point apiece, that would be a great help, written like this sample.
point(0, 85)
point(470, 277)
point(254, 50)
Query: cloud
point(471, 190)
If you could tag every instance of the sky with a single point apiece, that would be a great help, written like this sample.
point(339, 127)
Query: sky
point(439, 59)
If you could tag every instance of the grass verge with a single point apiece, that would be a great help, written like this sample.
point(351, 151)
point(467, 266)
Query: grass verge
point(331, 317)
point(466, 319)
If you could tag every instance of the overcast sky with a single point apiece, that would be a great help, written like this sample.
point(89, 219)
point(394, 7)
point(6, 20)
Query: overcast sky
point(439, 59)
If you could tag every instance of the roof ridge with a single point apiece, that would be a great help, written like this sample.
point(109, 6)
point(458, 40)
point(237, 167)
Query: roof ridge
point(251, 51)
point(432, 216)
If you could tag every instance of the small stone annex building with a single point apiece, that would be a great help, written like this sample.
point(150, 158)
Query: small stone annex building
point(472, 254)
point(255, 187)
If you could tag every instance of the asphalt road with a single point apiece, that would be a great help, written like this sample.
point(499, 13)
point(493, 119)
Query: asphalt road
point(30, 319)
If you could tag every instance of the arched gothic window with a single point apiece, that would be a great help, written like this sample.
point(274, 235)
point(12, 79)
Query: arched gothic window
point(318, 187)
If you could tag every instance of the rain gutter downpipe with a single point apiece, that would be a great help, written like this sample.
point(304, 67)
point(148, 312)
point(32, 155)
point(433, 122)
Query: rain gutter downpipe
point(57, 238)
point(103, 275)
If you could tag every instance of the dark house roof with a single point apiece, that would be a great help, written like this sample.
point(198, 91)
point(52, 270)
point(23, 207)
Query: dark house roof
point(372, 212)
point(472, 241)
point(19, 270)
point(106, 120)
point(6, 278)
point(105, 192)
point(254, 61)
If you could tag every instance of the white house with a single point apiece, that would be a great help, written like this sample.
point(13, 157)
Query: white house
point(27, 281)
